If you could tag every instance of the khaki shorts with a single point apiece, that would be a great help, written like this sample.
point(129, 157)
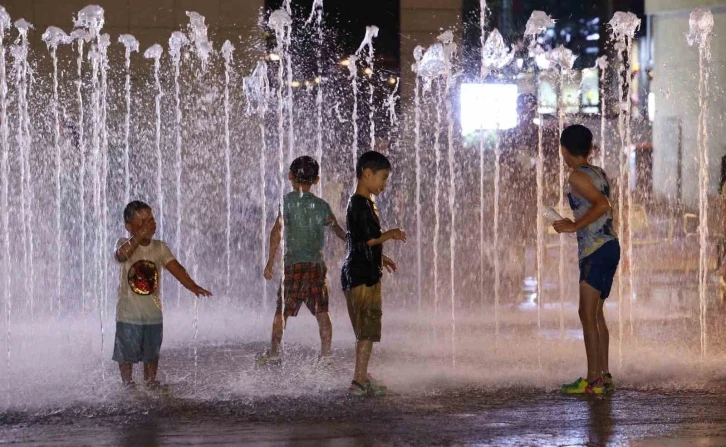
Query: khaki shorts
point(364, 308)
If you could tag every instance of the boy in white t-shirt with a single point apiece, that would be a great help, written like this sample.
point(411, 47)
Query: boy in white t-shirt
point(138, 312)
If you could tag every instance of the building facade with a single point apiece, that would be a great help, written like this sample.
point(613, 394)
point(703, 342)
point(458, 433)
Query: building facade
point(675, 97)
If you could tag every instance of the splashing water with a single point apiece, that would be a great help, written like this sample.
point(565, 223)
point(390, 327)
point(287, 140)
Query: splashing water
point(4, 136)
point(537, 24)
point(92, 19)
point(432, 65)
point(353, 75)
point(198, 37)
point(316, 14)
point(53, 37)
point(132, 45)
point(22, 75)
point(602, 66)
point(81, 36)
point(104, 41)
point(371, 33)
point(177, 42)
point(483, 11)
point(281, 23)
point(563, 59)
point(154, 52)
point(701, 31)
point(257, 90)
point(495, 55)
point(437, 197)
point(449, 52)
point(624, 26)
point(418, 54)
point(390, 104)
point(227, 51)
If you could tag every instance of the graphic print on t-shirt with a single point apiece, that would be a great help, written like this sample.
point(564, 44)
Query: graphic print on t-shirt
point(143, 277)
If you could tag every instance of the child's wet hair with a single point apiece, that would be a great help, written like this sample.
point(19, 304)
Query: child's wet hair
point(577, 139)
point(132, 208)
point(375, 161)
point(305, 170)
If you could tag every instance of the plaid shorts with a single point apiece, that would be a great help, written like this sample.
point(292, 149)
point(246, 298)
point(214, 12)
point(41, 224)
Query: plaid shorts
point(304, 283)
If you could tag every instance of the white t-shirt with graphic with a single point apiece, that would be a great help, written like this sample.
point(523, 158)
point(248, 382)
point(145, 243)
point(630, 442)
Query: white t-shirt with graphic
point(139, 292)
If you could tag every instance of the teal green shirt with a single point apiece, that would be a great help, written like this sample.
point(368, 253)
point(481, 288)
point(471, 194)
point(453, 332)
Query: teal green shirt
point(306, 217)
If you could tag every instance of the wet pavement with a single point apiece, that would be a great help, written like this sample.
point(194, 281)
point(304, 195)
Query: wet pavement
point(218, 398)
point(461, 416)
point(492, 379)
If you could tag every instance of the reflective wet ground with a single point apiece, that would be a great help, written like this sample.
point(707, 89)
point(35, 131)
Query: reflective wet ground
point(443, 416)
point(482, 390)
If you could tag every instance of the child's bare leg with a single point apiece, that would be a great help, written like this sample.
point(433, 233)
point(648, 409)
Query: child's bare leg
point(604, 334)
point(126, 370)
point(325, 324)
point(589, 301)
point(363, 351)
point(150, 369)
point(278, 328)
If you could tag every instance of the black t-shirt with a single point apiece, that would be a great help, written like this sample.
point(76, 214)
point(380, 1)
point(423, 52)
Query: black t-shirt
point(363, 264)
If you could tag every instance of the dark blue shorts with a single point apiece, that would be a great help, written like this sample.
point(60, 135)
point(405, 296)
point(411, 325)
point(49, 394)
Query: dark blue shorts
point(137, 342)
point(599, 268)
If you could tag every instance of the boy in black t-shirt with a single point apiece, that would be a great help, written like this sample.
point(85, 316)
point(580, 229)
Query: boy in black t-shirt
point(363, 266)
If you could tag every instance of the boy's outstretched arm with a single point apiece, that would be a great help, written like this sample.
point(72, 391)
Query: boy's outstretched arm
point(275, 238)
point(180, 273)
point(333, 224)
point(583, 185)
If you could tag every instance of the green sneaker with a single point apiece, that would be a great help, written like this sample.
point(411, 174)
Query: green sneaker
point(366, 389)
point(267, 360)
point(595, 387)
point(357, 389)
point(579, 386)
point(376, 390)
point(375, 384)
point(608, 382)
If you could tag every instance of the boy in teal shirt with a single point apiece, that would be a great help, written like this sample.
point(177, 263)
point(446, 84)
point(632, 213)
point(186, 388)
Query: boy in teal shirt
point(304, 219)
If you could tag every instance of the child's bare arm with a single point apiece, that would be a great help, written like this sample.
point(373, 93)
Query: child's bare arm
point(389, 264)
point(583, 185)
point(180, 273)
point(127, 249)
point(333, 224)
point(275, 239)
point(396, 234)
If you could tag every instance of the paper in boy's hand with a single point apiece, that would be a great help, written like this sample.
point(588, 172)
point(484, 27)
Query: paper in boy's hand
point(553, 216)
point(550, 214)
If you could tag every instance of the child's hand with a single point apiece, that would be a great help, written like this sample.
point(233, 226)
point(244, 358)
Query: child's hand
point(268, 271)
point(564, 226)
point(389, 264)
point(199, 291)
point(399, 235)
